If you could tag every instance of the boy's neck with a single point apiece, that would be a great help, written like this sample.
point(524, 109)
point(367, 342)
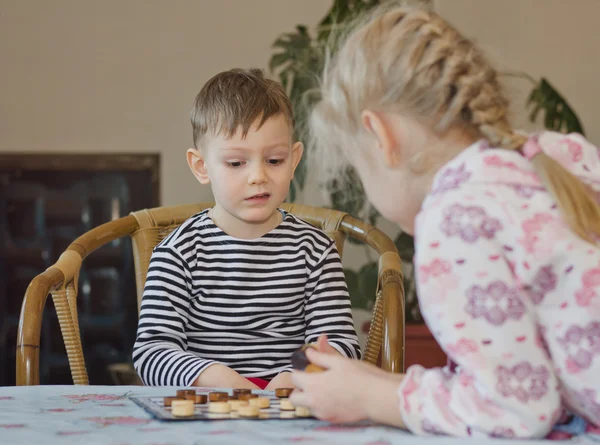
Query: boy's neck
point(241, 229)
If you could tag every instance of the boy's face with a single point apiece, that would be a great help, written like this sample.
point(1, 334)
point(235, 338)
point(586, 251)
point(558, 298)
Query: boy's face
point(250, 177)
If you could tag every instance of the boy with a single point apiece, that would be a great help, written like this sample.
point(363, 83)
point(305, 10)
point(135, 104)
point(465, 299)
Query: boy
point(233, 291)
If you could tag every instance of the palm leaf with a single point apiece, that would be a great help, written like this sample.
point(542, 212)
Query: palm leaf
point(558, 115)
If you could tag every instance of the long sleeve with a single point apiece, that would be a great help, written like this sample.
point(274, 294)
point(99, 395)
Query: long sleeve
point(160, 352)
point(505, 384)
point(328, 309)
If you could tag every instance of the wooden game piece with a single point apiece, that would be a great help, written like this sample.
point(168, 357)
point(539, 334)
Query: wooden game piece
point(283, 393)
point(302, 411)
point(169, 400)
point(219, 407)
point(261, 402)
point(247, 396)
point(287, 415)
point(200, 399)
point(249, 411)
point(181, 393)
point(238, 391)
point(237, 404)
point(300, 360)
point(286, 405)
point(182, 408)
point(218, 396)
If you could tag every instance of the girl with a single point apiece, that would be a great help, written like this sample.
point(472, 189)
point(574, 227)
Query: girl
point(505, 228)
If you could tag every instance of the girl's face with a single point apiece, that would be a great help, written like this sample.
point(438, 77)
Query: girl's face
point(384, 168)
point(392, 192)
point(400, 161)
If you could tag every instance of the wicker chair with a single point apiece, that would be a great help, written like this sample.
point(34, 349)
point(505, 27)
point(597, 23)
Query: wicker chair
point(385, 341)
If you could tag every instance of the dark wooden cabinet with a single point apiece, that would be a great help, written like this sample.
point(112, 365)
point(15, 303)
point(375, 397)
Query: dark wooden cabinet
point(46, 202)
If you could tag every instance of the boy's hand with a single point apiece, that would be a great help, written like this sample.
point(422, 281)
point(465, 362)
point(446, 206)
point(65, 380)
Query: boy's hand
point(283, 380)
point(221, 376)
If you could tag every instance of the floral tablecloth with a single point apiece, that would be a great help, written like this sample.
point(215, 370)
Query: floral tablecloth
point(49, 415)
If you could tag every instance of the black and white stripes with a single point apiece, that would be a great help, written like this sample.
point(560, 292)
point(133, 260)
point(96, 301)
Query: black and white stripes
point(247, 304)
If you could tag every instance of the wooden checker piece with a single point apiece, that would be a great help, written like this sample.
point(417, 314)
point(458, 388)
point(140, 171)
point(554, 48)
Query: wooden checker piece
point(249, 411)
point(302, 411)
point(218, 396)
point(198, 399)
point(219, 408)
point(237, 404)
point(168, 401)
point(283, 393)
point(181, 393)
point(182, 408)
point(261, 402)
point(238, 391)
point(247, 396)
point(301, 363)
point(286, 405)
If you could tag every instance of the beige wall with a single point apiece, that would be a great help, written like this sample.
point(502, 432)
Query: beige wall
point(120, 75)
point(557, 39)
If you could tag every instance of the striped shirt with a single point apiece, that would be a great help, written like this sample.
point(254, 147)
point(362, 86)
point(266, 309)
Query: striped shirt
point(247, 304)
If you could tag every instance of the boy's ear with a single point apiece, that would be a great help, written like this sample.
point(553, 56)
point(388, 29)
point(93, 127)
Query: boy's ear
point(297, 150)
point(197, 165)
point(381, 129)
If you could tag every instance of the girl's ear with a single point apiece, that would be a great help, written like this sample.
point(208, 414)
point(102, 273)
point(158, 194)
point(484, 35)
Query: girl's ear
point(198, 165)
point(297, 150)
point(381, 128)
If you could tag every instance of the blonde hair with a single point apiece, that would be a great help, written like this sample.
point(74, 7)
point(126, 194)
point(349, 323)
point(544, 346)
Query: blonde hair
point(238, 98)
point(412, 61)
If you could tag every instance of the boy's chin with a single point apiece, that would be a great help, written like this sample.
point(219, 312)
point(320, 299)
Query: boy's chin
point(257, 216)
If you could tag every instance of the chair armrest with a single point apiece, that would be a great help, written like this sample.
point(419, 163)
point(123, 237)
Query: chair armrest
point(30, 325)
point(392, 289)
point(64, 273)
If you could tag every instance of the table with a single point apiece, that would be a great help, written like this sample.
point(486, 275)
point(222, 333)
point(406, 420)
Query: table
point(103, 415)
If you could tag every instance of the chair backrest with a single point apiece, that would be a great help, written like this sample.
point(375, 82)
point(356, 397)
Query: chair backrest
point(388, 313)
point(156, 224)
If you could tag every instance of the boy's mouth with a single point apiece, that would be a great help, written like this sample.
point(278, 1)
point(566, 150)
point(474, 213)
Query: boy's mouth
point(259, 197)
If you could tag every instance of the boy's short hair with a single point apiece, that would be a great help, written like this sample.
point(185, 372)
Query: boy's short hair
point(237, 98)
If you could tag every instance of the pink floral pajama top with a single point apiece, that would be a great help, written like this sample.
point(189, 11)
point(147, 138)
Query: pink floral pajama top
point(511, 295)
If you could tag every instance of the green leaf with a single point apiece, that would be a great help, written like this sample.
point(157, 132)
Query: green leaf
point(356, 297)
point(278, 60)
point(405, 245)
point(558, 115)
point(362, 285)
point(341, 14)
point(292, 192)
point(347, 195)
point(300, 173)
point(367, 280)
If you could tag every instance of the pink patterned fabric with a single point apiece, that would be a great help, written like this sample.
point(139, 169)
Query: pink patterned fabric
point(511, 295)
point(531, 148)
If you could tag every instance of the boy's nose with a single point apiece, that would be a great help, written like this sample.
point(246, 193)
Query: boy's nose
point(257, 175)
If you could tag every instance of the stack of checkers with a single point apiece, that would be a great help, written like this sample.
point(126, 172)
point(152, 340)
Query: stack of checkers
point(242, 403)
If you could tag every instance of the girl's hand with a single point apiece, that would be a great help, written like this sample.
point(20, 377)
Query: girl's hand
point(348, 391)
point(323, 345)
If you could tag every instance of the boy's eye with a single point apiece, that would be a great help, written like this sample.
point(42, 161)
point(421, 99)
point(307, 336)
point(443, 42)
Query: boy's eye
point(275, 161)
point(235, 164)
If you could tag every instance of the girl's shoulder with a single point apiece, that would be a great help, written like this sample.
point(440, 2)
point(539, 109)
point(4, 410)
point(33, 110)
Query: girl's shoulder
point(482, 163)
